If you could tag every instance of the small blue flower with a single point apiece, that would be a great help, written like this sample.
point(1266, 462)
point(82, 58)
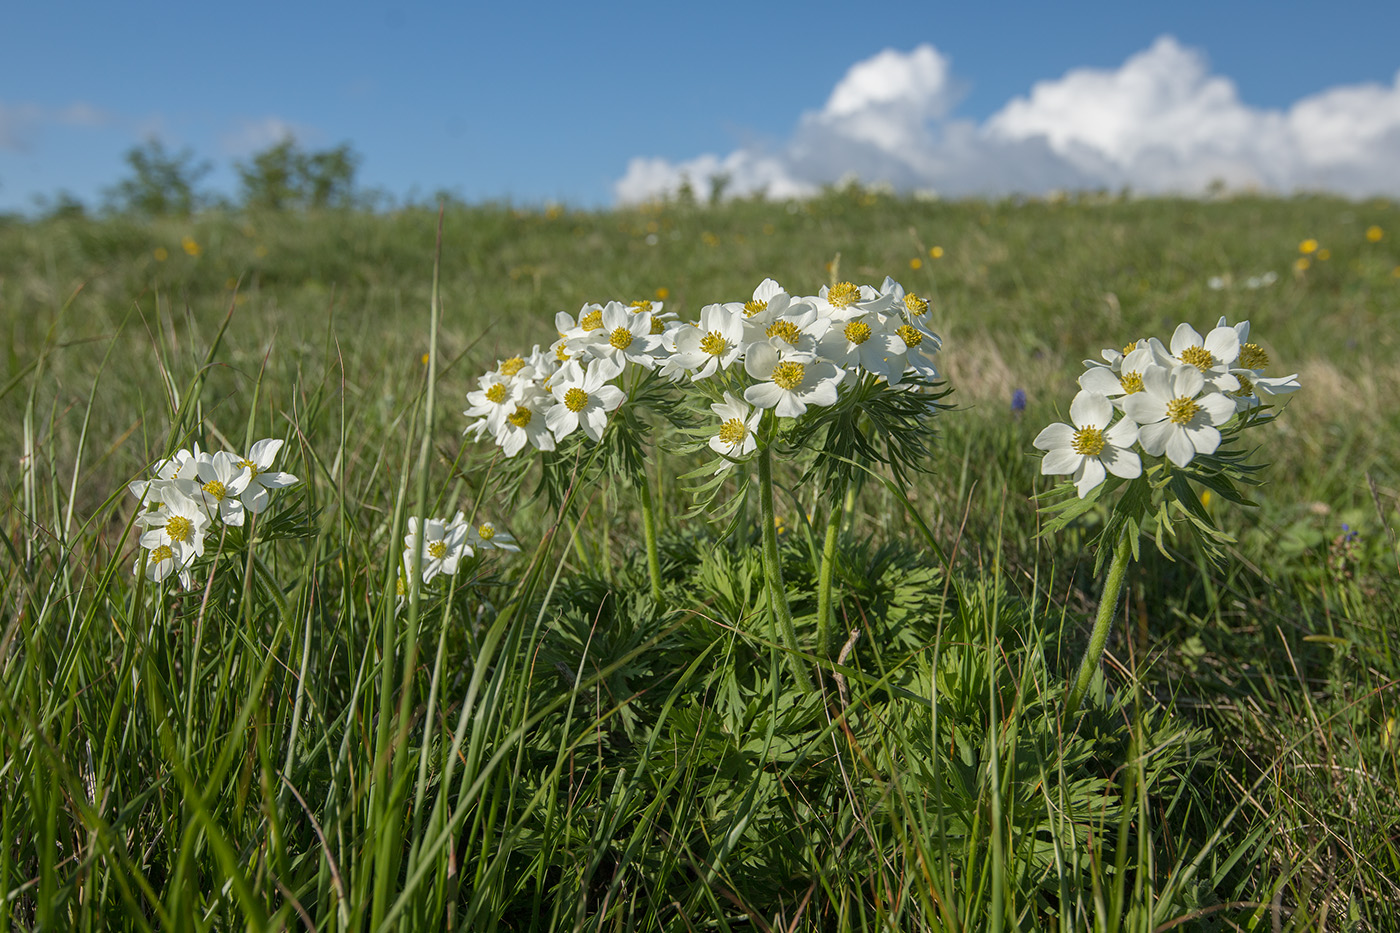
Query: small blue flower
point(1018, 402)
point(1349, 533)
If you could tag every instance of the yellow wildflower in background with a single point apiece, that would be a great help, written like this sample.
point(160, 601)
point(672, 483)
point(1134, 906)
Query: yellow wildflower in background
point(916, 263)
point(260, 251)
point(1301, 264)
point(663, 293)
point(936, 252)
point(161, 254)
point(1374, 233)
point(190, 246)
point(1324, 254)
point(1308, 246)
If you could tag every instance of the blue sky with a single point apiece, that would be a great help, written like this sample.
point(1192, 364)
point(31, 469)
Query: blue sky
point(553, 101)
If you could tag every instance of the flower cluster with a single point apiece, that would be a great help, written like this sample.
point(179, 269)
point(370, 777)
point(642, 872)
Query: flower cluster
point(1168, 400)
point(446, 545)
point(774, 351)
point(190, 491)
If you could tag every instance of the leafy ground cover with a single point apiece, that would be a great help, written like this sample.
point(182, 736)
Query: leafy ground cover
point(548, 739)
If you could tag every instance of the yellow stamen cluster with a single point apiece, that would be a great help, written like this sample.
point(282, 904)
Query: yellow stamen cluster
point(1246, 388)
point(487, 531)
point(512, 366)
point(910, 335)
point(620, 338)
point(1130, 348)
point(788, 375)
point(643, 305)
point(561, 354)
point(843, 294)
point(915, 304)
point(179, 528)
point(1088, 441)
point(520, 417)
point(216, 489)
point(437, 550)
point(1252, 356)
point(592, 320)
point(733, 431)
point(1198, 357)
point(575, 399)
point(253, 469)
point(1181, 410)
point(497, 393)
point(164, 552)
point(1132, 382)
point(857, 332)
point(714, 343)
point(658, 326)
point(784, 329)
point(754, 307)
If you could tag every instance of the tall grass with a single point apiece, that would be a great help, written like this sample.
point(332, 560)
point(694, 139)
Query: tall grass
point(545, 744)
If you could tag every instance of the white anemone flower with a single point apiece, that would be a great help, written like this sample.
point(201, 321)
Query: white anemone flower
point(1091, 447)
point(867, 341)
point(526, 424)
point(179, 523)
point(223, 478)
point(584, 399)
point(769, 298)
point(712, 346)
point(161, 561)
point(1213, 355)
point(256, 494)
point(180, 471)
point(492, 402)
point(793, 329)
point(444, 547)
point(737, 429)
point(1174, 416)
point(920, 344)
point(788, 384)
point(486, 536)
point(1123, 374)
point(846, 300)
point(623, 336)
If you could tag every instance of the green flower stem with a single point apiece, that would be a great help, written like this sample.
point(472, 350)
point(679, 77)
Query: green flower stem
point(772, 564)
point(834, 517)
point(649, 532)
point(1108, 607)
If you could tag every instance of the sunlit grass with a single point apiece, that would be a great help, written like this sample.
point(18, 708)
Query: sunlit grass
point(535, 745)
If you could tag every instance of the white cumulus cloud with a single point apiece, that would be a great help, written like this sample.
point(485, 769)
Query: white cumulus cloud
point(20, 124)
point(1159, 123)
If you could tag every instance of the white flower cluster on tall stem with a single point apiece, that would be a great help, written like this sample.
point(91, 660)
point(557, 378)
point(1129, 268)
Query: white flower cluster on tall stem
point(774, 351)
point(1169, 400)
point(191, 490)
point(447, 543)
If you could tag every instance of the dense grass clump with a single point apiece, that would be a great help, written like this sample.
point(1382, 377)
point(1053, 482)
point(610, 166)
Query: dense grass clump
point(569, 737)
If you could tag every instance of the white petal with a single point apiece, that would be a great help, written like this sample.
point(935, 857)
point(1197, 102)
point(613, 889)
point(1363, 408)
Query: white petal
point(1153, 437)
point(1055, 435)
point(1090, 410)
point(1180, 450)
point(1090, 476)
point(1122, 463)
point(1060, 460)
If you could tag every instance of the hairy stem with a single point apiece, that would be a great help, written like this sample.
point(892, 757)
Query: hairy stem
point(772, 564)
point(649, 532)
point(1108, 607)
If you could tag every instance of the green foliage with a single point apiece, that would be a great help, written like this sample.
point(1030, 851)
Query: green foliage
point(161, 183)
point(545, 746)
point(286, 177)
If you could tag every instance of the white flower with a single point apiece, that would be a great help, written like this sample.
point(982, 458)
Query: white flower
point(255, 495)
point(1123, 374)
point(786, 326)
point(179, 523)
point(712, 346)
point(736, 430)
point(584, 399)
point(1174, 417)
point(866, 341)
point(1091, 448)
point(487, 536)
point(790, 383)
point(223, 480)
point(180, 471)
point(526, 424)
point(623, 336)
point(492, 402)
point(161, 561)
point(1212, 355)
point(444, 546)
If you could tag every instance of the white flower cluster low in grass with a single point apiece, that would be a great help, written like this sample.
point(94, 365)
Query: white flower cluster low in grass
point(446, 544)
point(1161, 400)
point(775, 351)
point(193, 489)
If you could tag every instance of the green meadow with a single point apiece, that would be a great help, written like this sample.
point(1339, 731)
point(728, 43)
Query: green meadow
point(551, 740)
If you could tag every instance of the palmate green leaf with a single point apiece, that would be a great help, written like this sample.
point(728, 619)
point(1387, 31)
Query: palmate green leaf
point(871, 422)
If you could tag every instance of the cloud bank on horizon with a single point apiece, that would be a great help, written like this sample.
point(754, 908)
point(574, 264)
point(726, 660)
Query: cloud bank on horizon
point(1161, 123)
